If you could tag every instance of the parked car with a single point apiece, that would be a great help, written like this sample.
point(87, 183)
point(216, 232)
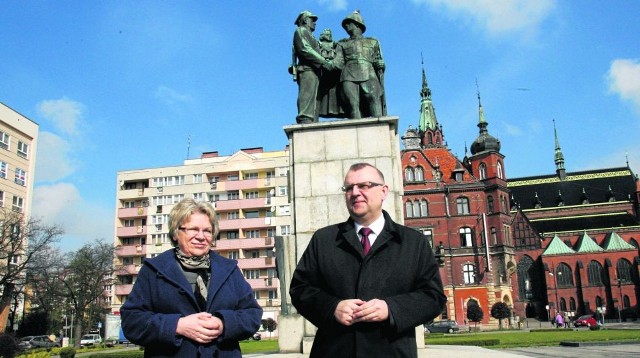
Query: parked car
point(447, 326)
point(24, 343)
point(43, 341)
point(585, 321)
point(90, 339)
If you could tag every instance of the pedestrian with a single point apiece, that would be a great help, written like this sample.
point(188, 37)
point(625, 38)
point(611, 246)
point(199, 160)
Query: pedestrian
point(368, 282)
point(559, 320)
point(190, 301)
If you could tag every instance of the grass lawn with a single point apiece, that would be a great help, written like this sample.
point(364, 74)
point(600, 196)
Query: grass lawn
point(262, 346)
point(509, 339)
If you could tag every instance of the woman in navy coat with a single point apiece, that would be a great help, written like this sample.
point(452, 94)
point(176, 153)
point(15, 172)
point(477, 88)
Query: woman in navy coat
point(190, 301)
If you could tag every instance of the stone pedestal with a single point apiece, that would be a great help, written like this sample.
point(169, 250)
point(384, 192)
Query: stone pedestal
point(320, 156)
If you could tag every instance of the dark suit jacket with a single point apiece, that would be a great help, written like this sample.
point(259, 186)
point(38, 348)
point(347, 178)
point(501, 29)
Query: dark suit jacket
point(400, 269)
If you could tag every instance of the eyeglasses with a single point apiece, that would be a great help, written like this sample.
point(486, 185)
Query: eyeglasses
point(193, 231)
point(364, 186)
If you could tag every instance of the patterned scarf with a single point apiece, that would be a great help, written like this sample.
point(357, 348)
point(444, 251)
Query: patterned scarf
point(201, 264)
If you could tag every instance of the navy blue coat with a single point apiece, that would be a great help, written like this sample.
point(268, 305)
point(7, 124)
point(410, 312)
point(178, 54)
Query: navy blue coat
point(161, 295)
point(400, 269)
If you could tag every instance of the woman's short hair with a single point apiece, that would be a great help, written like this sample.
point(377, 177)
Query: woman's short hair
point(183, 210)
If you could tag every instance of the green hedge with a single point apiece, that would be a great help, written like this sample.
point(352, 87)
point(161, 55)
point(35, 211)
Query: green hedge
point(123, 354)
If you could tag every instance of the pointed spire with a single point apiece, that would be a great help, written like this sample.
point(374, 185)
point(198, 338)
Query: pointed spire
point(428, 120)
point(484, 142)
point(559, 157)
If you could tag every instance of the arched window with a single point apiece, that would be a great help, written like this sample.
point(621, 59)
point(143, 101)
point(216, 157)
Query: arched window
point(408, 174)
point(462, 205)
point(594, 273)
point(564, 275)
point(424, 208)
point(626, 302)
point(408, 208)
point(465, 237)
point(490, 204)
point(503, 204)
point(494, 235)
point(563, 304)
point(419, 174)
point(499, 170)
point(430, 138)
point(599, 302)
point(416, 209)
point(482, 171)
point(468, 271)
point(572, 304)
point(623, 270)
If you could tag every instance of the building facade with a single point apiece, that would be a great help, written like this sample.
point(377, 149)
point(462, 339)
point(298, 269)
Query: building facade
point(249, 190)
point(561, 242)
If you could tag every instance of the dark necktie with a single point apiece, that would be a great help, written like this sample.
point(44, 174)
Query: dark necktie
point(366, 245)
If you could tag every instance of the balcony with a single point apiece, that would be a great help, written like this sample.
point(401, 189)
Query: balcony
point(123, 290)
point(127, 270)
point(222, 205)
point(130, 250)
point(243, 184)
point(130, 231)
point(264, 283)
point(125, 213)
point(259, 243)
point(259, 263)
point(255, 223)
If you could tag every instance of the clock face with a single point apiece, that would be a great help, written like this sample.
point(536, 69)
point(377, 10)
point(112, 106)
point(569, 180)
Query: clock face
point(412, 143)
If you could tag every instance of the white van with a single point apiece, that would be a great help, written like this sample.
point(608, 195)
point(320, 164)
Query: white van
point(90, 339)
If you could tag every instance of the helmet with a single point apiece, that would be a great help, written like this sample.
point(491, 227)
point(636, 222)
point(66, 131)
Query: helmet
point(356, 18)
point(303, 15)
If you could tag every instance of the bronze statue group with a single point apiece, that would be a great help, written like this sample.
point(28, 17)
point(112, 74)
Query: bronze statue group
point(343, 79)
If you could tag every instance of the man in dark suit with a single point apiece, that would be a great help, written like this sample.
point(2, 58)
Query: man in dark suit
point(366, 298)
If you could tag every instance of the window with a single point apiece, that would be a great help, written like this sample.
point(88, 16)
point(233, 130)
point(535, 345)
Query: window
point(233, 177)
point(416, 209)
point(594, 273)
point(482, 171)
point(197, 178)
point(284, 210)
point(127, 260)
point(233, 195)
point(253, 234)
point(233, 255)
point(490, 204)
point(564, 276)
point(129, 223)
point(494, 235)
point(251, 195)
point(232, 235)
point(465, 237)
point(233, 215)
point(4, 167)
point(468, 271)
point(499, 170)
point(23, 149)
point(251, 274)
point(409, 209)
point(15, 259)
point(4, 140)
point(248, 176)
point(285, 230)
point(462, 204)
point(424, 208)
point(167, 181)
point(624, 271)
point(251, 214)
point(271, 232)
point(198, 196)
point(18, 204)
point(129, 204)
point(253, 254)
point(21, 177)
point(1, 199)
point(428, 234)
point(572, 304)
point(563, 305)
point(273, 294)
point(503, 204)
point(282, 191)
point(159, 219)
point(419, 174)
point(408, 174)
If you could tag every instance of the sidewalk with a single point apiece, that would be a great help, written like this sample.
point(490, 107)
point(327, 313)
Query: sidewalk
point(439, 351)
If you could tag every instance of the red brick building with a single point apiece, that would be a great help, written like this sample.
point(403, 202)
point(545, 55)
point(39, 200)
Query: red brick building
point(567, 240)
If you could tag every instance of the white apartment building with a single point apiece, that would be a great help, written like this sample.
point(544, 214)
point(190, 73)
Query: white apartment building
point(18, 144)
point(249, 190)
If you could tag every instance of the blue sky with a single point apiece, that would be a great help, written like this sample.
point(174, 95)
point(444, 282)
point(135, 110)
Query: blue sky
point(121, 85)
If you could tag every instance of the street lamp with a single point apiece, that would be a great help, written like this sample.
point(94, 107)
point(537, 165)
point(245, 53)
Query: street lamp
point(620, 303)
point(555, 288)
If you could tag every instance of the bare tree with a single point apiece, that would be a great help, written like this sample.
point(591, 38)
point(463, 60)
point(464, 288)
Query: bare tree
point(20, 240)
point(89, 270)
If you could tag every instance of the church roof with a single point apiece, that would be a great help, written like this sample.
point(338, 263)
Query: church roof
point(613, 242)
point(597, 186)
point(586, 244)
point(584, 222)
point(557, 247)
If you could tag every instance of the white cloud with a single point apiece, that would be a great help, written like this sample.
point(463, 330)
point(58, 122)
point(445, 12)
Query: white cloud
point(498, 16)
point(334, 4)
point(624, 80)
point(171, 97)
point(54, 160)
point(62, 204)
point(65, 114)
point(512, 130)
